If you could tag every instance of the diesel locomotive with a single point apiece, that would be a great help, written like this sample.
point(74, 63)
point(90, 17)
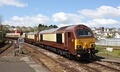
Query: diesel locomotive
point(71, 41)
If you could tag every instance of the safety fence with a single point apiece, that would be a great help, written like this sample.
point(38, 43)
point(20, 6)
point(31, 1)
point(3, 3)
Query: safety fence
point(109, 42)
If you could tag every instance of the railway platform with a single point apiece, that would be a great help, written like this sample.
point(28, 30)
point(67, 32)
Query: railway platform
point(21, 63)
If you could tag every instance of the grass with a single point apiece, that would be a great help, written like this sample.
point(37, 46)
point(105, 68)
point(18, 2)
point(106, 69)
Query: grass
point(1, 40)
point(104, 53)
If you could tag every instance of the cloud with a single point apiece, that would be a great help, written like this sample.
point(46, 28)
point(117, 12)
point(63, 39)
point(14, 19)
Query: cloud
point(102, 22)
point(101, 12)
point(61, 18)
point(66, 18)
point(28, 20)
point(16, 3)
point(102, 16)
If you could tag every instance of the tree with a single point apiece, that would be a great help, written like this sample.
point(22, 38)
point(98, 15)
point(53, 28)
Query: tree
point(1, 21)
point(45, 26)
point(51, 26)
point(55, 26)
point(40, 25)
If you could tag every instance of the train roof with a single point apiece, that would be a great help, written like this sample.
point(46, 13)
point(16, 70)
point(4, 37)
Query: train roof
point(57, 29)
point(61, 29)
point(50, 30)
point(70, 27)
point(32, 33)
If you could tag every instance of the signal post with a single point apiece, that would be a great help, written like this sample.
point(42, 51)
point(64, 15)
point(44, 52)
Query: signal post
point(20, 42)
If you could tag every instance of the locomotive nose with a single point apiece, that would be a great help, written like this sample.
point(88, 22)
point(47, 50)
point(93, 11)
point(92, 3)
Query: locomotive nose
point(86, 43)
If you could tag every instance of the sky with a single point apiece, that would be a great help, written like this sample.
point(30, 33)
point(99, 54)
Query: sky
point(93, 13)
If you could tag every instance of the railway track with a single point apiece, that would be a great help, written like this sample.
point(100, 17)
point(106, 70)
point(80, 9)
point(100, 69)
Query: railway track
point(57, 63)
point(111, 61)
point(104, 67)
point(77, 66)
point(6, 49)
point(72, 65)
point(111, 64)
point(63, 63)
point(52, 64)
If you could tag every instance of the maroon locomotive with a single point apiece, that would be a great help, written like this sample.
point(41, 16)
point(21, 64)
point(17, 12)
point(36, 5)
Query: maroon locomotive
point(74, 40)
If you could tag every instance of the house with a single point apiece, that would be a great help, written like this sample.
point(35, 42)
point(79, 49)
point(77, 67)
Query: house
point(117, 35)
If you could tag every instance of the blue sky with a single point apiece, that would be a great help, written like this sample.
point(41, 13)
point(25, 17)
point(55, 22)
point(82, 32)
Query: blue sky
point(93, 13)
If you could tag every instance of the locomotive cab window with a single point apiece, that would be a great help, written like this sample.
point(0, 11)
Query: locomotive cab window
point(69, 34)
point(83, 33)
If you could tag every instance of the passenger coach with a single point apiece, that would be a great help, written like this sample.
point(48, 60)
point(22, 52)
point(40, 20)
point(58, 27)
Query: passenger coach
point(30, 37)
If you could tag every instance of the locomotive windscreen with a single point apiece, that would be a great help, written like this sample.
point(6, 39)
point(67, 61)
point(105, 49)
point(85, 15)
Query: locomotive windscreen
point(83, 33)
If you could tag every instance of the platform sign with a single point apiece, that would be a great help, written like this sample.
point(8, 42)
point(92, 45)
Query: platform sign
point(20, 40)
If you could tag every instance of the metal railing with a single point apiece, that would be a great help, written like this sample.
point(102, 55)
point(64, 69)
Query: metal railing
point(109, 42)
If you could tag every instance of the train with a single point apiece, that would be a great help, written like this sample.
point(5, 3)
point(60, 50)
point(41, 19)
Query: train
point(74, 41)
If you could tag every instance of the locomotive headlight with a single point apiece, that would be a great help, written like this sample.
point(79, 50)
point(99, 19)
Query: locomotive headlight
point(79, 46)
point(93, 45)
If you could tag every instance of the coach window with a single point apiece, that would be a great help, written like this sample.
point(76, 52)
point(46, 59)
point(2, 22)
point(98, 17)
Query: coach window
point(69, 34)
point(41, 37)
point(59, 38)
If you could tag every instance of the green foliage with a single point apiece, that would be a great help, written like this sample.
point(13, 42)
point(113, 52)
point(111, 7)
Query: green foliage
point(55, 26)
point(51, 26)
point(1, 36)
point(40, 25)
point(6, 28)
point(104, 53)
point(1, 40)
point(119, 54)
point(45, 27)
